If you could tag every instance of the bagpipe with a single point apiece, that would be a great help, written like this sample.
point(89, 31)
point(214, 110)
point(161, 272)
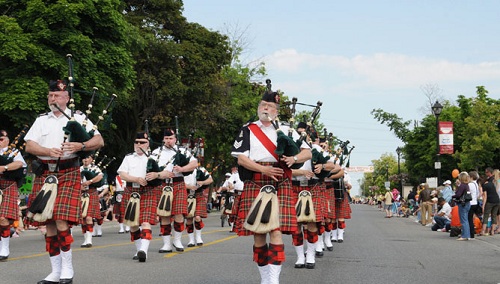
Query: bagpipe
point(74, 131)
point(285, 145)
point(152, 165)
point(95, 169)
point(10, 153)
point(182, 155)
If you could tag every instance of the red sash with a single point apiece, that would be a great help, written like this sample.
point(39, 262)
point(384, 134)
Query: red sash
point(269, 145)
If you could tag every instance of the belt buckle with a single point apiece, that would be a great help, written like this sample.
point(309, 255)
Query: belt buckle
point(52, 167)
point(136, 185)
point(304, 182)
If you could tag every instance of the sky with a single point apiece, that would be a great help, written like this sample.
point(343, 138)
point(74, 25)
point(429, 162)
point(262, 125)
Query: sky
point(356, 56)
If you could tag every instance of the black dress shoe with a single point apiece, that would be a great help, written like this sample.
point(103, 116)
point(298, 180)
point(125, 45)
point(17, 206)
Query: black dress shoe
point(66, 281)
point(310, 265)
point(164, 251)
point(329, 248)
point(46, 282)
point(319, 254)
point(190, 245)
point(4, 258)
point(141, 255)
point(178, 249)
point(340, 241)
point(199, 244)
point(299, 265)
point(135, 257)
point(99, 236)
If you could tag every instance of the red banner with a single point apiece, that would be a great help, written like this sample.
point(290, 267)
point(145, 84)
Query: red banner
point(445, 137)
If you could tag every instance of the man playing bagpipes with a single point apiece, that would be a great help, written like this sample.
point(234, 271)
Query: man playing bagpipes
point(58, 179)
point(119, 205)
point(177, 161)
point(267, 179)
point(237, 185)
point(11, 170)
point(227, 198)
point(310, 207)
point(342, 207)
point(197, 184)
point(140, 196)
point(91, 179)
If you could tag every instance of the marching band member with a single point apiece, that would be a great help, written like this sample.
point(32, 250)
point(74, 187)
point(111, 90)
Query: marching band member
point(237, 184)
point(133, 170)
point(102, 191)
point(9, 194)
point(197, 182)
point(174, 175)
point(260, 167)
point(118, 204)
point(58, 157)
point(227, 199)
point(89, 188)
point(342, 208)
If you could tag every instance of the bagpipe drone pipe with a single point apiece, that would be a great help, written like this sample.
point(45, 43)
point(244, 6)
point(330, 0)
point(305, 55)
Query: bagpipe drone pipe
point(182, 155)
point(152, 165)
point(8, 156)
point(74, 131)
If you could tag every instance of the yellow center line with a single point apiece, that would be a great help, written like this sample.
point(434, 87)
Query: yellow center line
point(204, 245)
point(127, 244)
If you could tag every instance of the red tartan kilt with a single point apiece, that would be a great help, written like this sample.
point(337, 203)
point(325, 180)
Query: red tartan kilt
point(94, 209)
point(149, 202)
point(317, 198)
point(67, 203)
point(201, 205)
point(9, 208)
point(236, 204)
point(330, 201)
point(342, 209)
point(179, 204)
point(288, 218)
point(117, 208)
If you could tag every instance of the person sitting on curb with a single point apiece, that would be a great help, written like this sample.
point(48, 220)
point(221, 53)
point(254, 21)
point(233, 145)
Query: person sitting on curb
point(442, 218)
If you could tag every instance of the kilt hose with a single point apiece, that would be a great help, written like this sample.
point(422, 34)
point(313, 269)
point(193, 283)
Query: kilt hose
point(67, 203)
point(342, 209)
point(9, 208)
point(317, 198)
point(148, 203)
point(288, 218)
point(201, 205)
point(94, 209)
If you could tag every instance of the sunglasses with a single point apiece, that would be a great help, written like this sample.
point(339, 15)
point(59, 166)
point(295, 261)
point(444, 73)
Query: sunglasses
point(2, 139)
point(140, 142)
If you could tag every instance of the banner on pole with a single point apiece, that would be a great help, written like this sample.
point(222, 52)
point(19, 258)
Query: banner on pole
point(445, 137)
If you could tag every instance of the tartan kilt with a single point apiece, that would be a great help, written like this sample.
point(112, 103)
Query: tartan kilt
point(67, 203)
point(148, 203)
point(288, 217)
point(94, 209)
point(236, 204)
point(179, 204)
point(317, 198)
point(201, 205)
point(330, 203)
point(117, 208)
point(342, 209)
point(9, 208)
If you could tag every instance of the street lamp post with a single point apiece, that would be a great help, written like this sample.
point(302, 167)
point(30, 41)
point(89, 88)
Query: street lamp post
point(436, 109)
point(398, 151)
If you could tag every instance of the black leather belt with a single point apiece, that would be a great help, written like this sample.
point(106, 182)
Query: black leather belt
point(50, 165)
point(177, 179)
point(310, 182)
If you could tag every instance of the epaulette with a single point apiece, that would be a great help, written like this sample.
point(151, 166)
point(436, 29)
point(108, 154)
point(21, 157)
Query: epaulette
point(43, 114)
point(247, 124)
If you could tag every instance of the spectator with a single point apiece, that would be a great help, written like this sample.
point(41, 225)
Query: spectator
point(388, 203)
point(443, 217)
point(455, 226)
point(411, 199)
point(474, 207)
point(425, 205)
point(490, 200)
point(463, 207)
point(447, 191)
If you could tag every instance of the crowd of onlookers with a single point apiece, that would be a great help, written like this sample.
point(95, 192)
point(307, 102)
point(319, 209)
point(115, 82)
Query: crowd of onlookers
point(465, 208)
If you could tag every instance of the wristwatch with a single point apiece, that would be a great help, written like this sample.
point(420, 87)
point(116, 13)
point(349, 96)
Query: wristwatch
point(83, 146)
point(6, 167)
point(295, 158)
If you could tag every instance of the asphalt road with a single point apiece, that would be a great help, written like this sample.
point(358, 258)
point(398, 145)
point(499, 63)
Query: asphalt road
point(375, 250)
